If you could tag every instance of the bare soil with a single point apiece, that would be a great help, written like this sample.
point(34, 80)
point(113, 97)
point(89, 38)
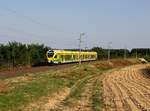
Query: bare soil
point(127, 89)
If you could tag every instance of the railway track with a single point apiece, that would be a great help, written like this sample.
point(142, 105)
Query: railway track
point(127, 90)
point(13, 72)
point(22, 70)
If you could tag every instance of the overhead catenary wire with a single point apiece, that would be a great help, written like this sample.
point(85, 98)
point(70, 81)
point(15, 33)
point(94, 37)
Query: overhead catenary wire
point(27, 41)
point(32, 20)
point(20, 31)
point(25, 33)
point(26, 36)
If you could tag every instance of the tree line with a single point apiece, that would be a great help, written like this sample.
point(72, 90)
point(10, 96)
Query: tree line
point(15, 54)
point(122, 53)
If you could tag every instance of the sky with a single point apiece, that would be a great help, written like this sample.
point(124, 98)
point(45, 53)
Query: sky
point(58, 23)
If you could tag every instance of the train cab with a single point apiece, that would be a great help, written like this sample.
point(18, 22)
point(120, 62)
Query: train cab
point(50, 54)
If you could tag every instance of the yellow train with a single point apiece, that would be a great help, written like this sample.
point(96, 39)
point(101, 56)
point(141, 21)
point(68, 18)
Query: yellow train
point(61, 56)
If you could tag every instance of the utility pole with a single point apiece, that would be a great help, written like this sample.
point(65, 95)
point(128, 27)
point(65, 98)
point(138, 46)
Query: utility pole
point(146, 51)
point(125, 53)
point(125, 56)
point(108, 54)
point(136, 54)
point(109, 50)
point(80, 41)
point(86, 48)
point(13, 57)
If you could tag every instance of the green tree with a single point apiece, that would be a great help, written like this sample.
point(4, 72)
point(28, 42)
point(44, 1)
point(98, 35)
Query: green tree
point(101, 53)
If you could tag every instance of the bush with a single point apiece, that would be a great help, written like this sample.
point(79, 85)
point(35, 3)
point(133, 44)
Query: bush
point(147, 58)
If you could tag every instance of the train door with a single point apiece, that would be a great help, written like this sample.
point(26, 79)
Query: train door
point(62, 58)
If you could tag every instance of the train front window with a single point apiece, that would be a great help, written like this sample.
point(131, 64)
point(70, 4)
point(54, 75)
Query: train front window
point(50, 55)
point(55, 56)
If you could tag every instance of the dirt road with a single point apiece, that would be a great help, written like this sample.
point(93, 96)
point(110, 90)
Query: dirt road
point(127, 89)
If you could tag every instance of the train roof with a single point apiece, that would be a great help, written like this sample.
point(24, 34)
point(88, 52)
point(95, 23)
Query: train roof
point(64, 51)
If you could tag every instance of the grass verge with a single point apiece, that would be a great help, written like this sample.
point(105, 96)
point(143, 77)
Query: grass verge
point(26, 93)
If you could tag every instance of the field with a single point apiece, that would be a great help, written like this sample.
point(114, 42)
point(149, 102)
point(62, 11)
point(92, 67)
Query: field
point(121, 85)
point(127, 89)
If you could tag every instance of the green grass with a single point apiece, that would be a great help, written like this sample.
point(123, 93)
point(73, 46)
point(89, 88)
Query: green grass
point(41, 84)
point(78, 88)
point(26, 93)
point(75, 93)
point(96, 98)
